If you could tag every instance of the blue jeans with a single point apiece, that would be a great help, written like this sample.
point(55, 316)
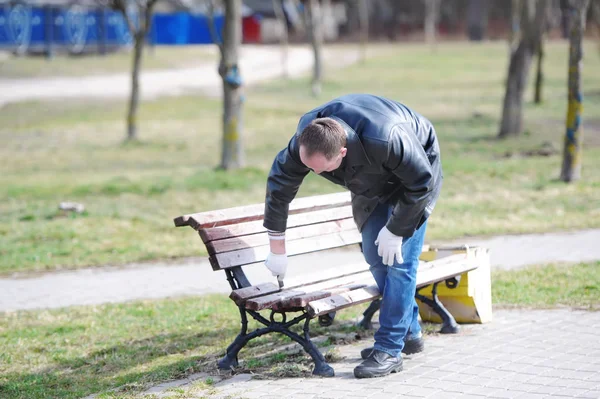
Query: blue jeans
point(398, 314)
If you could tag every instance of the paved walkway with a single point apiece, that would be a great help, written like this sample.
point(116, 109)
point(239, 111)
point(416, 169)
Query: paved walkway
point(257, 63)
point(195, 276)
point(529, 354)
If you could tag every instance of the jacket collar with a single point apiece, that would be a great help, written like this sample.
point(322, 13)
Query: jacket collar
point(356, 155)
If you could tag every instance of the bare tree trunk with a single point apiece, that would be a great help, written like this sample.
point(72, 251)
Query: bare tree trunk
point(363, 15)
point(515, 24)
point(283, 40)
point(316, 38)
point(542, 22)
point(233, 151)
point(139, 34)
point(539, 76)
point(432, 8)
point(477, 19)
point(135, 88)
point(571, 166)
point(518, 70)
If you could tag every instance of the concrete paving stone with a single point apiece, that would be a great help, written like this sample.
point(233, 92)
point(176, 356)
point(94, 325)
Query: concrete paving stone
point(377, 395)
point(522, 387)
point(423, 392)
point(520, 377)
point(398, 388)
point(585, 384)
point(252, 395)
point(542, 380)
point(572, 392)
point(500, 384)
point(570, 374)
point(456, 388)
point(498, 374)
point(475, 370)
point(514, 367)
point(547, 389)
point(421, 382)
point(284, 392)
point(417, 370)
point(565, 382)
point(475, 362)
point(536, 370)
point(444, 395)
point(317, 389)
point(482, 391)
point(333, 394)
point(590, 367)
point(504, 393)
point(559, 372)
point(584, 375)
point(590, 395)
point(509, 357)
point(454, 377)
point(439, 375)
point(286, 382)
point(529, 395)
point(561, 357)
point(302, 396)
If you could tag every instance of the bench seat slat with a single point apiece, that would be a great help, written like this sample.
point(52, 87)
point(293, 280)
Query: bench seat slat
point(256, 211)
point(430, 272)
point(241, 295)
point(300, 301)
point(342, 301)
point(302, 219)
point(269, 301)
point(302, 246)
point(296, 233)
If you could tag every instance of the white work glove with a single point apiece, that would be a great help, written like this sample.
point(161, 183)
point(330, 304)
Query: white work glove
point(277, 264)
point(388, 246)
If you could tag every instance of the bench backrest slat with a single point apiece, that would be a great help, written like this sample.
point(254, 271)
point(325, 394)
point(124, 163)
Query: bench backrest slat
point(249, 213)
point(257, 254)
point(292, 234)
point(300, 219)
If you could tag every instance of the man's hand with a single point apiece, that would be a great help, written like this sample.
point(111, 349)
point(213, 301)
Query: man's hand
point(388, 246)
point(277, 264)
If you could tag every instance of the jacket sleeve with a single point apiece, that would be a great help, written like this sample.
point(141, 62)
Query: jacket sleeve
point(285, 177)
point(407, 160)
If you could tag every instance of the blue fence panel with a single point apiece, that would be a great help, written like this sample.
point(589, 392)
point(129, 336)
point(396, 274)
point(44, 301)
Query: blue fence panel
point(74, 28)
point(183, 28)
point(199, 28)
point(78, 29)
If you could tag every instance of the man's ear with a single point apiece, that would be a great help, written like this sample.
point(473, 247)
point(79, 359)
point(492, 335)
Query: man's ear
point(343, 151)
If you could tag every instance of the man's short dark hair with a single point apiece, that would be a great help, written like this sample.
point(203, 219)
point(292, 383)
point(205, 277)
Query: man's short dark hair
point(323, 136)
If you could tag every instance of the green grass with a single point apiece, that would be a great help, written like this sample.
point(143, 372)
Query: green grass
point(161, 57)
point(71, 353)
point(547, 286)
point(74, 151)
point(121, 349)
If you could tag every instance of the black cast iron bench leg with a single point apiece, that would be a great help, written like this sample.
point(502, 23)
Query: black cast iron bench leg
point(449, 325)
point(230, 360)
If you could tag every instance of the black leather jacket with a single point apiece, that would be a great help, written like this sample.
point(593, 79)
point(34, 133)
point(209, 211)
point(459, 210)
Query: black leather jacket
point(393, 157)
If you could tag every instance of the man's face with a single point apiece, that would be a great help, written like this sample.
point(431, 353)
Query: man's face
point(318, 163)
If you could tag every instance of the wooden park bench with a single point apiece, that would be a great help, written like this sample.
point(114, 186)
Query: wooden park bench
point(235, 238)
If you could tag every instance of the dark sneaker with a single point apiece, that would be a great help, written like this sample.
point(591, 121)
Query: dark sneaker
point(411, 346)
point(378, 364)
